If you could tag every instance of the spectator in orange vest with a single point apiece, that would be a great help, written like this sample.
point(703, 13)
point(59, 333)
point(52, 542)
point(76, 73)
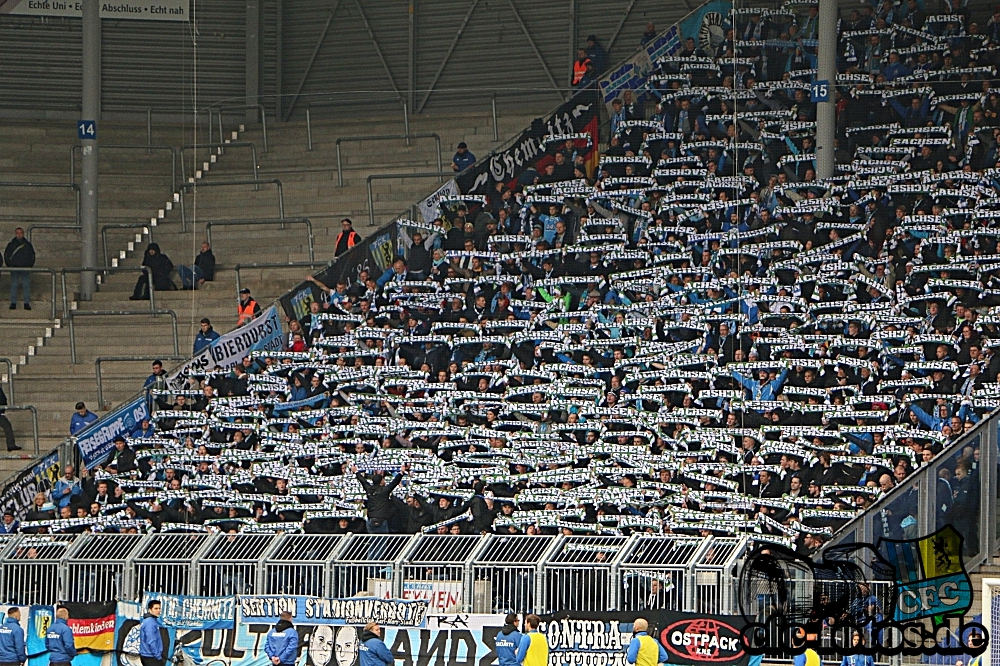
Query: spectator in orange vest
point(347, 238)
point(248, 309)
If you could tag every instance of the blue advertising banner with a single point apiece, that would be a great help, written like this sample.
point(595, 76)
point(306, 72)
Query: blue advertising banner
point(96, 442)
point(315, 610)
point(182, 612)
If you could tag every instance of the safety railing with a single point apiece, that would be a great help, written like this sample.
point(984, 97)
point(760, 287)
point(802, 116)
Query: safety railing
point(34, 428)
point(177, 111)
point(391, 176)
point(188, 187)
point(147, 230)
point(58, 186)
point(245, 107)
point(118, 313)
point(63, 272)
point(291, 265)
point(252, 223)
point(122, 359)
point(11, 395)
point(52, 281)
point(219, 149)
point(332, 103)
point(383, 137)
point(465, 573)
point(147, 148)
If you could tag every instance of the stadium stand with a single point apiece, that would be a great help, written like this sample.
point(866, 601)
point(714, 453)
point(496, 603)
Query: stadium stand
point(698, 337)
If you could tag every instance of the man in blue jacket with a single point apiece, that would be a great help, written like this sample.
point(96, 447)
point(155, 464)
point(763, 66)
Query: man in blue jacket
point(508, 641)
point(59, 640)
point(282, 645)
point(150, 640)
point(12, 650)
point(372, 651)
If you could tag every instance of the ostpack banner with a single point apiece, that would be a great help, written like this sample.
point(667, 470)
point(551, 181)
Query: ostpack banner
point(315, 610)
point(183, 612)
point(141, 10)
point(96, 441)
point(39, 478)
point(578, 115)
point(429, 210)
point(261, 334)
point(602, 638)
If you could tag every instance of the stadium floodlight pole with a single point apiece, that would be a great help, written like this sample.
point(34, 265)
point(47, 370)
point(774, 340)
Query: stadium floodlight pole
point(87, 131)
point(826, 70)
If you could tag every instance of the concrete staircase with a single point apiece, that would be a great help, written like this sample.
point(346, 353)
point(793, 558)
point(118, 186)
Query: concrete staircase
point(136, 189)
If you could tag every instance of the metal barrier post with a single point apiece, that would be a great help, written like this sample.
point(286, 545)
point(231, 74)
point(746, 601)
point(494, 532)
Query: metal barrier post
point(229, 183)
point(496, 127)
point(406, 123)
point(388, 176)
point(104, 359)
point(237, 107)
point(280, 222)
point(147, 230)
point(385, 137)
point(52, 276)
point(72, 186)
point(295, 264)
point(118, 313)
point(309, 130)
point(147, 148)
point(217, 146)
point(119, 269)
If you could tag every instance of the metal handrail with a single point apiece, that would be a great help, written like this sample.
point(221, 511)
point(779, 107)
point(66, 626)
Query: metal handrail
point(334, 103)
point(291, 264)
point(384, 137)
point(52, 274)
point(281, 221)
point(118, 313)
point(147, 148)
point(66, 227)
point(72, 186)
point(244, 107)
point(10, 380)
point(389, 176)
point(219, 149)
point(103, 359)
point(149, 120)
point(34, 428)
point(256, 183)
point(120, 269)
point(147, 230)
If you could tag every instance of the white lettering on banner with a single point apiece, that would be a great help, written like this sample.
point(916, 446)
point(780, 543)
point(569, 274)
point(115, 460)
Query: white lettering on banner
point(251, 607)
point(261, 334)
point(587, 642)
point(429, 206)
point(142, 10)
point(96, 441)
point(442, 596)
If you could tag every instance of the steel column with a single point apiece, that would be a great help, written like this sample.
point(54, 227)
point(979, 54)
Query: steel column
point(252, 56)
point(279, 41)
point(826, 112)
point(91, 111)
point(312, 60)
point(412, 56)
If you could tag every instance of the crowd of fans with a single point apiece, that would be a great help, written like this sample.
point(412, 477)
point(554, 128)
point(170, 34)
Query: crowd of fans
point(700, 337)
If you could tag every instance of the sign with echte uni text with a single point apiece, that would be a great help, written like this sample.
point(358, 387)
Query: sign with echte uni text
point(142, 10)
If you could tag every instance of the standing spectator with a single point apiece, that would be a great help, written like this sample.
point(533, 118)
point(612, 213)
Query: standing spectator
point(598, 56)
point(67, 489)
point(160, 266)
point(282, 642)
point(81, 419)
point(157, 380)
point(649, 35)
point(150, 640)
point(59, 640)
point(347, 238)
point(12, 649)
point(9, 524)
point(8, 429)
point(20, 254)
point(248, 309)
point(463, 159)
point(580, 68)
point(372, 651)
point(122, 458)
point(379, 502)
point(203, 270)
point(206, 336)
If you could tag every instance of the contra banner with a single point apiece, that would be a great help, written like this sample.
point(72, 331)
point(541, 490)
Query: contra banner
point(261, 334)
point(316, 610)
point(141, 10)
point(39, 478)
point(96, 441)
point(578, 115)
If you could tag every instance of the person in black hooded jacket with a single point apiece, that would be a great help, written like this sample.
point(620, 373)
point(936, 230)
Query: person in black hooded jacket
point(379, 502)
point(508, 642)
point(160, 266)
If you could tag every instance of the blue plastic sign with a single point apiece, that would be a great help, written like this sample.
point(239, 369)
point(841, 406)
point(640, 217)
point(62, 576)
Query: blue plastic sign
point(86, 129)
point(820, 91)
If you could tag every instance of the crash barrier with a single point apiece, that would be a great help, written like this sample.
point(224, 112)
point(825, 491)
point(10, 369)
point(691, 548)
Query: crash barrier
point(481, 574)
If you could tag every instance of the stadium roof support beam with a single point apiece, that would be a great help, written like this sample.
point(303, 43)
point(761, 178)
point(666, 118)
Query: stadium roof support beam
point(621, 24)
point(447, 56)
point(534, 47)
point(312, 59)
point(378, 50)
point(826, 111)
point(91, 115)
